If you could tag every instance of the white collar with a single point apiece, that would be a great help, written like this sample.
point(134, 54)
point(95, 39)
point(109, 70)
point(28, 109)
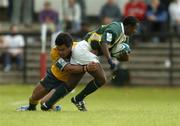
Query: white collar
point(122, 27)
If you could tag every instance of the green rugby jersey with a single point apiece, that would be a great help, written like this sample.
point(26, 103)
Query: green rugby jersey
point(111, 34)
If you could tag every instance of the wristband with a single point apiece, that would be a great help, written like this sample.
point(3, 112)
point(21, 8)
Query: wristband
point(61, 63)
point(85, 68)
point(111, 63)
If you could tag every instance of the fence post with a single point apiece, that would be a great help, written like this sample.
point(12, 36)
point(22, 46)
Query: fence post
point(171, 61)
point(25, 61)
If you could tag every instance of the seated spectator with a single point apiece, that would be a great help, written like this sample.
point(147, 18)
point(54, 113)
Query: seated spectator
point(174, 12)
point(49, 17)
point(136, 8)
point(110, 12)
point(156, 17)
point(72, 16)
point(14, 49)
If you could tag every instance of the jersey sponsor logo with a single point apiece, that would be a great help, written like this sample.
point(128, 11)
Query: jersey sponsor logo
point(109, 37)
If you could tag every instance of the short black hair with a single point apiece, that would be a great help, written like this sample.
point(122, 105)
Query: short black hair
point(64, 38)
point(130, 20)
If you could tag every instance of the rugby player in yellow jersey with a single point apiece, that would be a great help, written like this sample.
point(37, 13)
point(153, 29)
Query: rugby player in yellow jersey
point(54, 83)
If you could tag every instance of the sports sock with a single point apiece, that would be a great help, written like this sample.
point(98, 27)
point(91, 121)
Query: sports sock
point(90, 88)
point(60, 92)
point(32, 104)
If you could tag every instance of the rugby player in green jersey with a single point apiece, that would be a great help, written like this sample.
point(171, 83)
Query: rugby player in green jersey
point(99, 42)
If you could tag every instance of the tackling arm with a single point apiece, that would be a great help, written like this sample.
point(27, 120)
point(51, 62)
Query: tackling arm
point(71, 68)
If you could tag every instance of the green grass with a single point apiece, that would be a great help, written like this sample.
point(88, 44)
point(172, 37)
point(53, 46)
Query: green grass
point(107, 107)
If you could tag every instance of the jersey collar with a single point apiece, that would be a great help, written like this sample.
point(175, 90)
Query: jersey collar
point(122, 27)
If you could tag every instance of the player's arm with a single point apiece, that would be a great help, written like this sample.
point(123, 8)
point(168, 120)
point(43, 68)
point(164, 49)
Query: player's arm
point(107, 39)
point(105, 50)
point(71, 68)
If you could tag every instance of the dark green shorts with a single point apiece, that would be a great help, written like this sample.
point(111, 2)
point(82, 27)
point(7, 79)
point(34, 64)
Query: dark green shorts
point(50, 81)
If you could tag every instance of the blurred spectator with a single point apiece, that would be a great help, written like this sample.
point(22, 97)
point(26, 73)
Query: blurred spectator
point(22, 8)
point(14, 49)
point(147, 1)
point(174, 12)
point(166, 3)
point(156, 17)
point(72, 16)
point(82, 4)
point(110, 12)
point(10, 7)
point(49, 17)
point(136, 8)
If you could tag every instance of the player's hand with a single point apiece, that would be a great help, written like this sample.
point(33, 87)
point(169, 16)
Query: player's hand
point(112, 64)
point(92, 66)
point(123, 57)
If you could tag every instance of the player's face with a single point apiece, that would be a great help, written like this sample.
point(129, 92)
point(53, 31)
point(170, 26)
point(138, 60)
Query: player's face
point(131, 30)
point(64, 51)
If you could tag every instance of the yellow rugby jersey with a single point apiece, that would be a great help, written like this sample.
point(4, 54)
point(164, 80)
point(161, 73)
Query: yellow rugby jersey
point(60, 75)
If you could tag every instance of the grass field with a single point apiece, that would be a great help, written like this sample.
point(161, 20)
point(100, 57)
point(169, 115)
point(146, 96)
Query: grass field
point(107, 107)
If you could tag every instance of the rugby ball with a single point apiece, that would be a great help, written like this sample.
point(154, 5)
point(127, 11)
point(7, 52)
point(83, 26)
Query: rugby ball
point(120, 49)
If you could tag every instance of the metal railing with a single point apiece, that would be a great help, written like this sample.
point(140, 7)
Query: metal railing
point(168, 38)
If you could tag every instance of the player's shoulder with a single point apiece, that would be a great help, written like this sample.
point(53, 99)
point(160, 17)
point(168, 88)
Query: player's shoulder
point(54, 50)
point(116, 26)
point(54, 53)
point(116, 23)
